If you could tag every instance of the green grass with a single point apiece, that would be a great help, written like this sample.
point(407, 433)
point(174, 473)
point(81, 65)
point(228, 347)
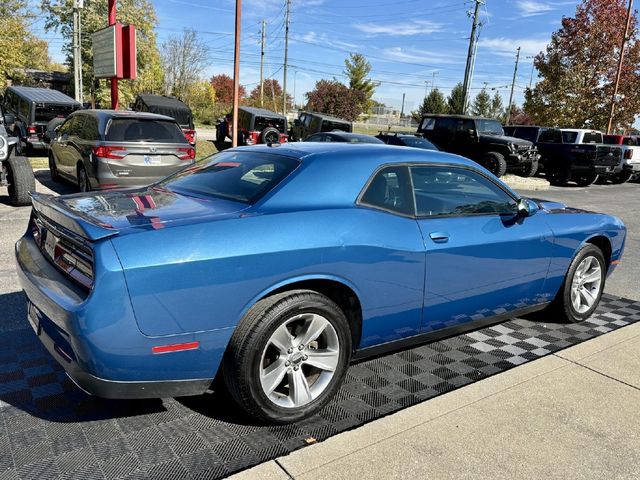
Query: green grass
point(204, 148)
point(375, 129)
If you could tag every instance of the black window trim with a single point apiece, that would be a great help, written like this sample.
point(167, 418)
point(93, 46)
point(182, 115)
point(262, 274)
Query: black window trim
point(415, 216)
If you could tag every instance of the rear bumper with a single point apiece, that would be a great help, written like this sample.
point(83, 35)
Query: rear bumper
point(107, 175)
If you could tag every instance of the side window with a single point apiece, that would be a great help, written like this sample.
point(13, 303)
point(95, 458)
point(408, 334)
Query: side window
point(442, 191)
point(68, 127)
point(445, 126)
point(428, 124)
point(24, 110)
point(307, 120)
point(88, 129)
point(390, 189)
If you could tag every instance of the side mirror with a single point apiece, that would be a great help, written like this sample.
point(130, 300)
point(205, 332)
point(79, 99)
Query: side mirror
point(296, 123)
point(471, 132)
point(526, 208)
point(9, 119)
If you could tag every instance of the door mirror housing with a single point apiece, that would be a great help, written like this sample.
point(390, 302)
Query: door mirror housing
point(9, 119)
point(526, 208)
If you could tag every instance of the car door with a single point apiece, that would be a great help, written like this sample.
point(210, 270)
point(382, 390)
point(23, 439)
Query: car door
point(59, 146)
point(74, 146)
point(482, 259)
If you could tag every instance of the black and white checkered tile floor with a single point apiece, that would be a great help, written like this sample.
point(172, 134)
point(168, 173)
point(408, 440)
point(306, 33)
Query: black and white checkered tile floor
point(50, 429)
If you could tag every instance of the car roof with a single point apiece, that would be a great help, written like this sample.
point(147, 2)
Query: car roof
point(262, 112)
point(583, 130)
point(108, 114)
point(38, 94)
point(458, 117)
point(327, 117)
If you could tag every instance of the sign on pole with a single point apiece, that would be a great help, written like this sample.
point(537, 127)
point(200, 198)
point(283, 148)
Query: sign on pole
point(106, 44)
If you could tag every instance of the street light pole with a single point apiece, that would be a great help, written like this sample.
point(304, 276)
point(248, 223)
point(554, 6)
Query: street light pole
point(236, 76)
point(617, 82)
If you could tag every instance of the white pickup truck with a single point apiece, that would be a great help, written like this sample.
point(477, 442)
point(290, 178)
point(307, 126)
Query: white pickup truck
point(630, 157)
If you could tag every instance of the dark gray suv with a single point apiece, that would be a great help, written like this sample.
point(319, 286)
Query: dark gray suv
point(101, 149)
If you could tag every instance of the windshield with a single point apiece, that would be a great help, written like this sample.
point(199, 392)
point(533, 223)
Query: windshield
point(418, 142)
point(238, 176)
point(569, 137)
point(529, 134)
point(491, 127)
point(139, 130)
point(46, 113)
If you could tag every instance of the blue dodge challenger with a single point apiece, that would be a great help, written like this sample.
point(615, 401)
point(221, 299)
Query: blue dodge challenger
point(273, 267)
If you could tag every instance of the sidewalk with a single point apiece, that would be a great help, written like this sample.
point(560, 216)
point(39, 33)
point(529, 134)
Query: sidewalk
point(574, 414)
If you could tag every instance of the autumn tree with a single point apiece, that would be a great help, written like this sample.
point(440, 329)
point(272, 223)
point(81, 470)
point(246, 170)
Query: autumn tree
point(334, 98)
point(223, 85)
point(184, 57)
point(518, 116)
point(481, 105)
point(455, 99)
point(20, 48)
point(201, 98)
point(432, 103)
point(578, 69)
point(59, 17)
point(357, 69)
point(496, 110)
point(272, 96)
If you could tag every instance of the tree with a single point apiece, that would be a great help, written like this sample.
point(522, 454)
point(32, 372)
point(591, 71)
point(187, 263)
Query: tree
point(20, 48)
point(334, 98)
point(497, 109)
point(432, 103)
point(59, 17)
point(183, 58)
point(272, 95)
point(454, 101)
point(201, 98)
point(518, 117)
point(578, 69)
point(481, 105)
point(223, 85)
point(357, 69)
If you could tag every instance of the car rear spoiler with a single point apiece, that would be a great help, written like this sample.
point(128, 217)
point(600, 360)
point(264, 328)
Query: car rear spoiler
point(83, 225)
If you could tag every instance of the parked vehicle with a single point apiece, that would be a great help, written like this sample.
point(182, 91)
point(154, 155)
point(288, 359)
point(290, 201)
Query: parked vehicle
point(170, 107)
point(102, 149)
point(33, 108)
point(309, 123)
point(526, 132)
point(406, 140)
point(342, 137)
point(255, 126)
point(630, 157)
point(481, 140)
point(274, 266)
point(576, 155)
point(15, 171)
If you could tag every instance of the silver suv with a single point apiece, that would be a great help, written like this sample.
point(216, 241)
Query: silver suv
point(102, 149)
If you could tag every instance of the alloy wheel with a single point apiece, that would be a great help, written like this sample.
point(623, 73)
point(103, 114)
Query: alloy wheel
point(586, 284)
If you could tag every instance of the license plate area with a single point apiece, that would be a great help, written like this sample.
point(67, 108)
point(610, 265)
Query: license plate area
point(152, 159)
point(50, 241)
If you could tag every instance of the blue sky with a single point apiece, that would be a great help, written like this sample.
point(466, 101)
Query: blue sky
point(408, 42)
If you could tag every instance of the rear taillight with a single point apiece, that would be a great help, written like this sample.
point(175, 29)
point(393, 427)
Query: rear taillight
point(628, 154)
point(190, 135)
point(187, 153)
point(75, 263)
point(114, 153)
point(31, 129)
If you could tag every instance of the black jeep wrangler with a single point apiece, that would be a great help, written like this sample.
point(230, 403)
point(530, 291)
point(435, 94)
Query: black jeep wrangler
point(15, 171)
point(481, 140)
point(309, 123)
point(255, 125)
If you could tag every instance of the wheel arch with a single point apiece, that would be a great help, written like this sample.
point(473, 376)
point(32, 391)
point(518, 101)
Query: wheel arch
point(604, 244)
point(342, 292)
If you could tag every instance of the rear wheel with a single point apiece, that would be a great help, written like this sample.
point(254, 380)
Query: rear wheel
point(495, 163)
point(84, 185)
point(531, 169)
point(558, 176)
point(20, 180)
point(583, 286)
point(53, 169)
point(288, 356)
point(586, 179)
point(620, 178)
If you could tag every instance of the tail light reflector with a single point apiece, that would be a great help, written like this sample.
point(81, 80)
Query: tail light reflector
point(190, 135)
point(114, 153)
point(31, 129)
point(187, 153)
point(176, 347)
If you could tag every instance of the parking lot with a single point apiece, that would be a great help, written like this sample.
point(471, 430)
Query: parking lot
point(50, 426)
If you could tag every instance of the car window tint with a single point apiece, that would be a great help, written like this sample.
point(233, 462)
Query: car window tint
point(449, 191)
point(46, 113)
point(89, 128)
point(138, 130)
point(315, 138)
point(428, 124)
point(592, 137)
point(237, 176)
point(24, 109)
point(390, 189)
point(569, 137)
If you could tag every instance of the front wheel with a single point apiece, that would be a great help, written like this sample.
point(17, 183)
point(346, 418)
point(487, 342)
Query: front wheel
point(20, 179)
point(586, 179)
point(288, 357)
point(583, 286)
point(495, 163)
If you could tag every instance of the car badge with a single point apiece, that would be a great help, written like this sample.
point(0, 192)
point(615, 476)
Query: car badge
point(153, 149)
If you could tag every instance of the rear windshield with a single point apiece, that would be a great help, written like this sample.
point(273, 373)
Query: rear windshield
point(46, 113)
point(418, 142)
point(355, 138)
point(569, 137)
point(592, 137)
point(138, 130)
point(329, 126)
point(238, 176)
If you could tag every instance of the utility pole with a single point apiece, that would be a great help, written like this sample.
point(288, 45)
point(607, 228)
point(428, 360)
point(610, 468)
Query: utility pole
point(77, 68)
point(513, 84)
point(467, 71)
point(433, 80)
point(236, 75)
point(617, 82)
point(286, 57)
point(264, 27)
point(402, 109)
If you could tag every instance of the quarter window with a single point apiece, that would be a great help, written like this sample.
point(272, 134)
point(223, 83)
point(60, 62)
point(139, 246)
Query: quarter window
point(441, 191)
point(390, 190)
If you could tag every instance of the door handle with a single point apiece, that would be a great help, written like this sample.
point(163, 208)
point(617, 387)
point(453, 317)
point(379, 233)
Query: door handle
point(439, 237)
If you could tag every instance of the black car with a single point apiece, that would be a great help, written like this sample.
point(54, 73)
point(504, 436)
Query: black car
point(309, 123)
point(170, 107)
point(481, 140)
point(33, 109)
point(406, 140)
point(526, 132)
point(344, 137)
point(255, 126)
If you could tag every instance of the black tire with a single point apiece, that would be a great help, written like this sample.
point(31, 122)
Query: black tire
point(21, 181)
point(558, 176)
point(53, 170)
point(242, 361)
point(586, 179)
point(84, 184)
point(531, 169)
point(270, 135)
point(220, 135)
point(621, 177)
point(561, 305)
point(495, 163)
